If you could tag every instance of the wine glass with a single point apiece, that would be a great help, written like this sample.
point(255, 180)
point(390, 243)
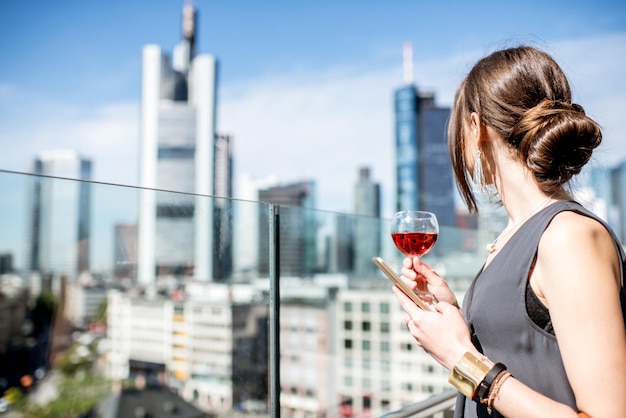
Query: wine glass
point(414, 233)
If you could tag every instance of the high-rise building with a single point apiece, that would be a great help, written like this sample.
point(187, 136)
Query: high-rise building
point(223, 215)
point(59, 226)
point(424, 176)
point(367, 226)
point(604, 195)
point(341, 254)
point(125, 250)
point(246, 238)
point(298, 240)
point(178, 152)
point(618, 182)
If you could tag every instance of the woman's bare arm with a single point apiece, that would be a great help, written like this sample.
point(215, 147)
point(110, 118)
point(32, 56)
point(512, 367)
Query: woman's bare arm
point(577, 274)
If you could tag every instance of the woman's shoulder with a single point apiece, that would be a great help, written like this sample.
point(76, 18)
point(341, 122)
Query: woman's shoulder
point(578, 240)
point(570, 228)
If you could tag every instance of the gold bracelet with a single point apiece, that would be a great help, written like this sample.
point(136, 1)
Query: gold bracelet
point(468, 373)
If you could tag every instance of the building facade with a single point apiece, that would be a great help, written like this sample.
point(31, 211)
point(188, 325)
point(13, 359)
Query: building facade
point(212, 350)
point(379, 367)
point(223, 208)
point(367, 228)
point(59, 222)
point(618, 182)
point(298, 231)
point(179, 152)
point(424, 176)
point(346, 352)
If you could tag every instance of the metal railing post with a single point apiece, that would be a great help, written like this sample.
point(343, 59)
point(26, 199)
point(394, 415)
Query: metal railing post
point(274, 310)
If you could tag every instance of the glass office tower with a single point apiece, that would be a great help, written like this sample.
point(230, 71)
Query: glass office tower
point(177, 232)
point(59, 230)
point(367, 231)
point(618, 181)
point(298, 241)
point(424, 177)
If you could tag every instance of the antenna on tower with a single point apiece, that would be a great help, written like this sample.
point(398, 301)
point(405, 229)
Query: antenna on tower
point(407, 62)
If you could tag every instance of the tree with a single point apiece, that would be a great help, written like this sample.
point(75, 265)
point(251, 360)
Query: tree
point(101, 313)
point(78, 394)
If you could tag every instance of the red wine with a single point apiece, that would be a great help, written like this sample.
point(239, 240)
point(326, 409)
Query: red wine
point(414, 243)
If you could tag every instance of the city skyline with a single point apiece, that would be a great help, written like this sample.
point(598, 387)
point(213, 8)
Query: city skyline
point(320, 76)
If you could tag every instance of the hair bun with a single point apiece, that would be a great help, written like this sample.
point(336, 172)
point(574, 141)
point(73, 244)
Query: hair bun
point(556, 139)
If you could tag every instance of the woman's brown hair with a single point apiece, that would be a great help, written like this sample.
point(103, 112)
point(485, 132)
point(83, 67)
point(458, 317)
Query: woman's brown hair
point(524, 96)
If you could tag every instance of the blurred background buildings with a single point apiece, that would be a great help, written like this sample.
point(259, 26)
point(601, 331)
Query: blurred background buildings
point(185, 301)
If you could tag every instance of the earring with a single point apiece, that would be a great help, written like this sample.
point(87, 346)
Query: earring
point(478, 178)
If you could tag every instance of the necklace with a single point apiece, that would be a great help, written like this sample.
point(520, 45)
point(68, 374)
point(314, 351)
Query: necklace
point(491, 247)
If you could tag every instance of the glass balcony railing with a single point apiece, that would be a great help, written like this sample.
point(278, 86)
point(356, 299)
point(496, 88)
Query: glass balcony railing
point(129, 297)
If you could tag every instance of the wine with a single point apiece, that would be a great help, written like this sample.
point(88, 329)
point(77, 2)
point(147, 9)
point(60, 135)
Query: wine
point(414, 243)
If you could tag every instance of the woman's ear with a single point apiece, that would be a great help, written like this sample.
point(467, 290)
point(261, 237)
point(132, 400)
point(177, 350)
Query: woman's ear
point(478, 130)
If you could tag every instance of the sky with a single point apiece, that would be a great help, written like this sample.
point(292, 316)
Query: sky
point(305, 87)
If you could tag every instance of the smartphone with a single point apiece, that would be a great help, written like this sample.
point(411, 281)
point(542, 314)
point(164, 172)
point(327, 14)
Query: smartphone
point(393, 276)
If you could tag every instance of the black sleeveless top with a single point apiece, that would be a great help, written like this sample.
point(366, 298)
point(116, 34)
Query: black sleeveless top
point(499, 322)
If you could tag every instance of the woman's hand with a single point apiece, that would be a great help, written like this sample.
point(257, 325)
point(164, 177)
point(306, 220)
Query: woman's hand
point(421, 276)
point(442, 333)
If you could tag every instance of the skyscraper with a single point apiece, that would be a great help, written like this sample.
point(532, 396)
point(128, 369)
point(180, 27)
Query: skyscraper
point(248, 213)
point(298, 240)
point(367, 227)
point(125, 250)
point(178, 153)
point(223, 211)
point(59, 228)
point(605, 195)
point(424, 177)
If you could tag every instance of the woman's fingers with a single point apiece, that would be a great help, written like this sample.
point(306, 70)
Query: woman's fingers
point(407, 262)
point(412, 310)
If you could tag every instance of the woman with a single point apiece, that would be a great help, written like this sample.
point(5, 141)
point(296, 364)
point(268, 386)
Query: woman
point(541, 333)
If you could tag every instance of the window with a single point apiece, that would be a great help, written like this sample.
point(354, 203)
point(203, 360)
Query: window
point(384, 346)
point(385, 386)
point(428, 368)
point(366, 326)
point(347, 306)
point(384, 308)
point(367, 364)
point(366, 345)
point(347, 381)
point(428, 388)
point(347, 362)
point(175, 153)
point(347, 344)
point(384, 327)
point(347, 325)
point(406, 366)
point(365, 307)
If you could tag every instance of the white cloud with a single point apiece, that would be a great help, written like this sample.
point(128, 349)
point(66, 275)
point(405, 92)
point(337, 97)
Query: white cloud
point(321, 125)
point(325, 125)
point(106, 133)
point(324, 128)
